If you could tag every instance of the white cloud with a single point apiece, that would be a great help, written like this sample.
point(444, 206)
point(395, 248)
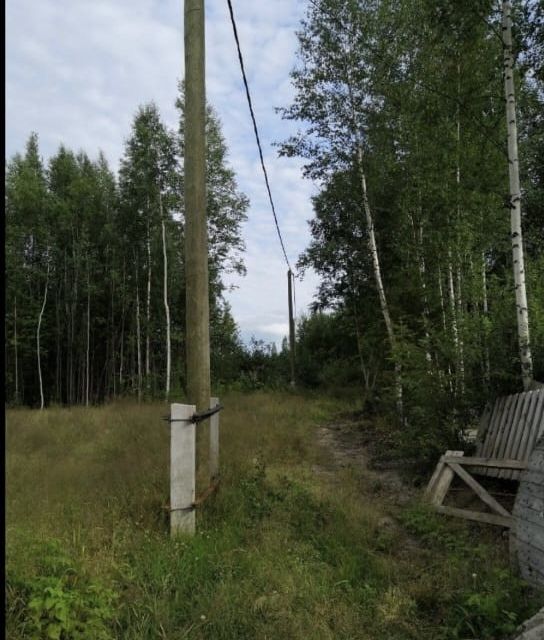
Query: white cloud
point(76, 72)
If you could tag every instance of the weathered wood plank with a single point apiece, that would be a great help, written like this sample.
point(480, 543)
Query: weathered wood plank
point(478, 516)
point(484, 496)
point(486, 449)
point(532, 520)
point(538, 422)
point(527, 540)
point(483, 425)
point(443, 480)
point(531, 489)
point(525, 426)
point(531, 556)
point(532, 501)
point(531, 432)
point(498, 414)
point(526, 440)
point(531, 541)
point(509, 428)
point(503, 429)
point(514, 424)
point(486, 462)
point(434, 479)
point(515, 432)
point(534, 476)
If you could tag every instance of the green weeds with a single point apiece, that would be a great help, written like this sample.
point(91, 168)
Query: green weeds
point(281, 551)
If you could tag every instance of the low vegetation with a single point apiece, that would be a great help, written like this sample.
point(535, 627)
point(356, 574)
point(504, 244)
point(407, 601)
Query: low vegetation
point(286, 549)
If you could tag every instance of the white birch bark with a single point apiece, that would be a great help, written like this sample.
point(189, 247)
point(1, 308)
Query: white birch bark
point(166, 307)
point(454, 326)
point(459, 309)
point(459, 301)
point(418, 241)
point(379, 282)
point(442, 304)
point(515, 202)
point(38, 334)
point(444, 320)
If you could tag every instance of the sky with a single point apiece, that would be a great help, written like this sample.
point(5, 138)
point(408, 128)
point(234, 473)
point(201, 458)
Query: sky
point(76, 71)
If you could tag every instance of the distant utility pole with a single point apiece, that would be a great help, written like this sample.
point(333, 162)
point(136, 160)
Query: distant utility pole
point(291, 326)
point(196, 236)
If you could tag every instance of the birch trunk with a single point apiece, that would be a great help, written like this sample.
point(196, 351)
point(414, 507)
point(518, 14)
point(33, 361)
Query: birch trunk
point(455, 331)
point(166, 307)
point(460, 325)
point(418, 241)
point(444, 320)
point(459, 302)
point(515, 202)
point(364, 370)
point(379, 283)
point(38, 334)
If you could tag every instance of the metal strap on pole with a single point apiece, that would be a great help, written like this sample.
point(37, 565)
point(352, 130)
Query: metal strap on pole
point(196, 417)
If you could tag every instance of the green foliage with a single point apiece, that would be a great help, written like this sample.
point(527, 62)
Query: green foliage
point(492, 601)
point(409, 96)
point(59, 601)
point(488, 610)
point(96, 239)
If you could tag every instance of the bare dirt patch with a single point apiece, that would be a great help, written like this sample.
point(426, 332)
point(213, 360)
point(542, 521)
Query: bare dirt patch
point(345, 446)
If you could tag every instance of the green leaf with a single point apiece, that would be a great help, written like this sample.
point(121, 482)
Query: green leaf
point(54, 631)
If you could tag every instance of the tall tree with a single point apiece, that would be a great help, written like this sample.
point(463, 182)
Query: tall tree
point(515, 201)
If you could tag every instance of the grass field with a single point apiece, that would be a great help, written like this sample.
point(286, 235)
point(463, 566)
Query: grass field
point(282, 551)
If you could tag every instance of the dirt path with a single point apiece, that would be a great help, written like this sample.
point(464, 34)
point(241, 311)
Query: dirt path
point(344, 444)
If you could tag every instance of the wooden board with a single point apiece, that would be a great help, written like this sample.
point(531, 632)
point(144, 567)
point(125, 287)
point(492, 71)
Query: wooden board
point(478, 516)
point(441, 479)
point(471, 461)
point(527, 542)
point(509, 430)
point(484, 496)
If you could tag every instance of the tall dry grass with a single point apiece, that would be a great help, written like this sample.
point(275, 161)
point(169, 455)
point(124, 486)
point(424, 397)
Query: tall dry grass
point(282, 551)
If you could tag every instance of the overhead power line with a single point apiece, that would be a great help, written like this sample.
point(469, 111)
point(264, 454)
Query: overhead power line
point(242, 68)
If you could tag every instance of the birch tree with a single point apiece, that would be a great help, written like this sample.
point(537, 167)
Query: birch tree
point(515, 201)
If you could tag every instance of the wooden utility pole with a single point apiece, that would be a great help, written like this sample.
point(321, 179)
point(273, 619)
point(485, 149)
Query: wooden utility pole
point(291, 326)
point(196, 235)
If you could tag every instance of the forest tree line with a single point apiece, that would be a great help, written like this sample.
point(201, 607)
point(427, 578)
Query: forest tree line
point(404, 129)
point(95, 296)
